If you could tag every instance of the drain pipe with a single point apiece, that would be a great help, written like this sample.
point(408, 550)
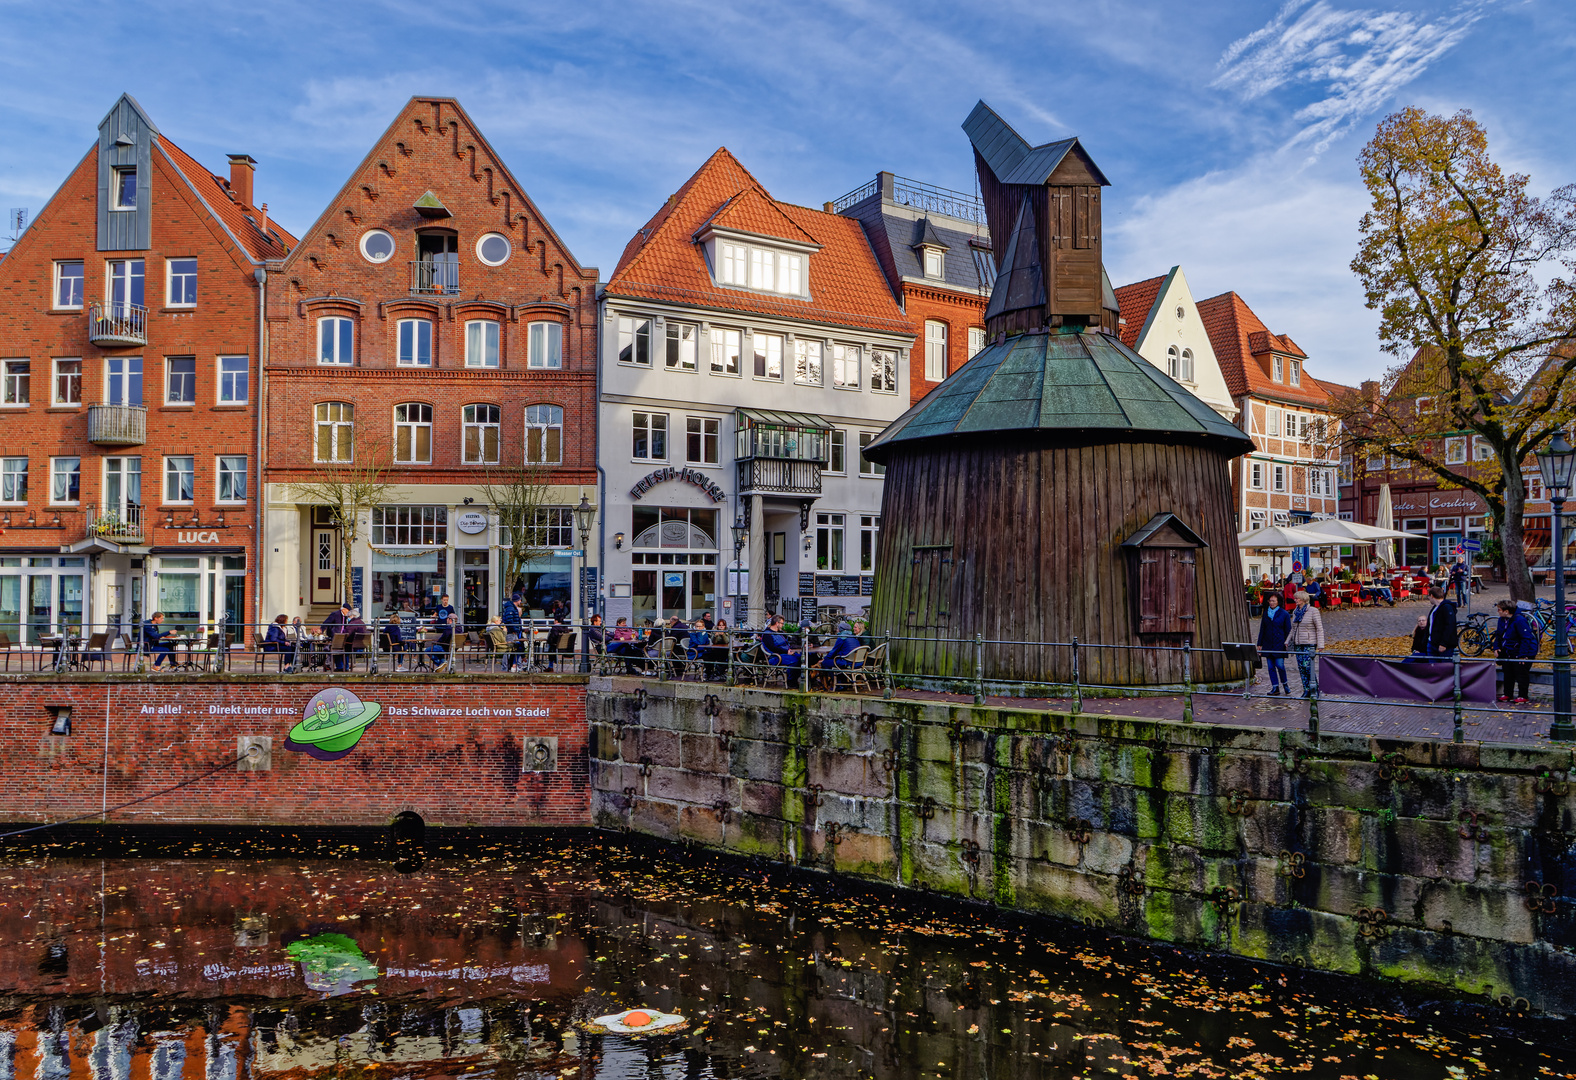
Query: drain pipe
point(601, 473)
point(260, 275)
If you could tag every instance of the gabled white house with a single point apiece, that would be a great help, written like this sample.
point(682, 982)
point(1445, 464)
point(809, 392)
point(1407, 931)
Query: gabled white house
point(1160, 322)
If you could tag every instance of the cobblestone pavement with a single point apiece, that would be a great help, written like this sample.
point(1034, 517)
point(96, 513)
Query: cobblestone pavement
point(1348, 623)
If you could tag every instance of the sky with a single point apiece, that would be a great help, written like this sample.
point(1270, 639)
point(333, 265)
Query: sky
point(1229, 129)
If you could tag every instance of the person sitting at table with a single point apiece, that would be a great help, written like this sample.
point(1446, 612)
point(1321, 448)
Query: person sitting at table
point(779, 649)
point(393, 635)
point(843, 646)
point(1315, 590)
point(497, 637)
point(557, 638)
point(622, 644)
point(714, 657)
point(276, 640)
point(1419, 643)
point(335, 623)
point(153, 643)
point(438, 648)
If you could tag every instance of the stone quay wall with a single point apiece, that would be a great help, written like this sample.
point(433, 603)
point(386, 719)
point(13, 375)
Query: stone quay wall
point(1447, 866)
point(456, 751)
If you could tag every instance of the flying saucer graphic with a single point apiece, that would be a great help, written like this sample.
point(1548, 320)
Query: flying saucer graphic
point(332, 725)
point(636, 1022)
point(331, 963)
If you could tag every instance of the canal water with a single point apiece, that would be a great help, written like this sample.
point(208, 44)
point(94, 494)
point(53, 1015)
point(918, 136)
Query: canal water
point(207, 958)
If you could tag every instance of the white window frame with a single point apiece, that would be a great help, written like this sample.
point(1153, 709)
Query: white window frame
point(1481, 449)
point(471, 420)
point(1279, 369)
point(342, 326)
point(976, 340)
point(172, 472)
point(652, 424)
point(542, 419)
point(169, 282)
point(508, 248)
point(733, 264)
point(12, 381)
point(413, 423)
point(939, 269)
point(9, 476)
point(1296, 372)
point(1374, 463)
point(808, 353)
point(1257, 519)
point(339, 415)
point(82, 284)
point(55, 400)
point(935, 350)
point(54, 472)
point(764, 363)
point(544, 345)
point(1174, 361)
point(681, 352)
point(1456, 450)
point(117, 186)
point(1256, 475)
point(634, 340)
point(727, 352)
point(828, 526)
point(1272, 422)
point(869, 542)
point(483, 342)
point(883, 371)
point(414, 360)
point(763, 270)
point(836, 453)
point(709, 431)
point(372, 234)
point(842, 356)
point(866, 466)
point(225, 379)
point(224, 469)
point(1278, 478)
point(1187, 366)
point(790, 274)
point(170, 383)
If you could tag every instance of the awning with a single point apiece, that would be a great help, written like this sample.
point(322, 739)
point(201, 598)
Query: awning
point(782, 419)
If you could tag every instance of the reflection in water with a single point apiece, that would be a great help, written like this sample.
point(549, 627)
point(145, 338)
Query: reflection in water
point(188, 963)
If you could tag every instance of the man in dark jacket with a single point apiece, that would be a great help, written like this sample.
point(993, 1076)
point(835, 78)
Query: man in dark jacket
point(1272, 643)
point(1441, 625)
point(153, 643)
point(1517, 644)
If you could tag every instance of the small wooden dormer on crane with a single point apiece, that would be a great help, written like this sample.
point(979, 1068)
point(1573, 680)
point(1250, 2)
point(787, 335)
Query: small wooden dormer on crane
point(1043, 203)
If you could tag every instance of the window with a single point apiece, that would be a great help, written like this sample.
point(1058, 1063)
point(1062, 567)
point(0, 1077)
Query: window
point(180, 380)
point(123, 380)
point(68, 284)
point(725, 348)
point(232, 380)
point(1534, 488)
point(413, 433)
point(410, 526)
point(1272, 419)
point(807, 362)
point(125, 281)
point(546, 345)
point(768, 350)
point(1187, 365)
point(377, 246)
point(1277, 370)
point(334, 336)
point(1296, 373)
point(1173, 361)
point(1455, 450)
point(481, 343)
point(551, 526)
point(869, 531)
point(836, 446)
point(232, 479)
point(18, 381)
point(66, 479)
point(335, 431)
point(1256, 519)
point(683, 345)
point(1315, 482)
point(544, 434)
point(493, 249)
point(182, 285)
point(763, 266)
point(790, 274)
point(934, 262)
point(935, 350)
point(415, 343)
point(634, 341)
point(701, 439)
point(179, 479)
point(1477, 523)
point(883, 371)
point(68, 382)
point(731, 265)
point(829, 541)
point(651, 436)
point(1373, 462)
point(125, 189)
point(1256, 476)
point(1481, 450)
point(845, 366)
point(479, 429)
point(1278, 472)
point(13, 480)
point(976, 340)
point(866, 466)
point(1398, 462)
point(1422, 405)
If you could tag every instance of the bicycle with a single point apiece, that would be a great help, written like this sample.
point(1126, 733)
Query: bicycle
point(1474, 634)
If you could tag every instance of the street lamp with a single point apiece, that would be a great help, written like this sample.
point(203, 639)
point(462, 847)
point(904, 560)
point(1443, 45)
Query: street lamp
point(585, 513)
point(1556, 464)
point(741, 532)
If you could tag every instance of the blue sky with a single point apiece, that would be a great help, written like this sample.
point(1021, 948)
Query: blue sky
point(1229, 130)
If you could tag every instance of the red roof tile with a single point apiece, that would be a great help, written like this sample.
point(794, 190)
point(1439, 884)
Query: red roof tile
point(1243, 345)
point(242, 223)
point(663, 261)
point(1136, 301)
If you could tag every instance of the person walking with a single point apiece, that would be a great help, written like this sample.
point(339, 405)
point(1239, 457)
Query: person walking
point(1460, 580)
point(1306, 636)
point(1442, 632)
point(514, 630)
point(1273, 628)
point(1517, 644)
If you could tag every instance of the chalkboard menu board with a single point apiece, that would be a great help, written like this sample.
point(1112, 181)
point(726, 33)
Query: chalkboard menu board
point(825, 586)
point(806, 610)
point(867, 585)
point(807, 584)
point(848, 586)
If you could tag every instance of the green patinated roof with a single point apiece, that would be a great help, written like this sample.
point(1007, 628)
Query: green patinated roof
point(1085, 388)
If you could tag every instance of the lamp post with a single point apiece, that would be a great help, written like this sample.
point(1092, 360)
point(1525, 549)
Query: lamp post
point(741, 532)
point(585, 513)
point(1556, 464)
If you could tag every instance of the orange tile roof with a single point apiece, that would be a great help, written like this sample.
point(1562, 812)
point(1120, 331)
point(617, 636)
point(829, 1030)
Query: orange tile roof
point(1243, 345)
point(663, 261)
point(1136, 301)
point(215, 191)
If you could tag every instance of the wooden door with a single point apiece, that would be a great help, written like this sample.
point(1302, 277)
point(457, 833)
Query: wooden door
point(930, 586)
point(325, 566)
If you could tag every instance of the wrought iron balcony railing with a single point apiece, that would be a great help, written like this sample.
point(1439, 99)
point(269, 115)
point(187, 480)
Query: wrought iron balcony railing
point(116, 523)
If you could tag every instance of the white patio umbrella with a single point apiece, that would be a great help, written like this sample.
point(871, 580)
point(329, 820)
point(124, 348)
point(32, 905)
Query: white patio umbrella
point(1352, 532)
point(1384, 551)
point(1274, 538)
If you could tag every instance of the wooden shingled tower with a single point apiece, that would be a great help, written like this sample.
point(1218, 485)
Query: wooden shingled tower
point(1043, 202)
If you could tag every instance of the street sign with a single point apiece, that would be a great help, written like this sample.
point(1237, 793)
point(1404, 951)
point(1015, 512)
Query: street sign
point(1471, 545)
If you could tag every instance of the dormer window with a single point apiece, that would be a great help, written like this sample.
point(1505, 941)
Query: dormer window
point(760, 268)
point(1278, 375)
point(1296, 373)
point(935, 262)
point(125, 189)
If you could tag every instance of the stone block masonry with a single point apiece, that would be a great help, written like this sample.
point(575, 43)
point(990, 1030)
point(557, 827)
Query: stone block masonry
point(450, 751)
point(1449, 866)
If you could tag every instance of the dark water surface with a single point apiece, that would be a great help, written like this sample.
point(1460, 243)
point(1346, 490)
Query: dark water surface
point(209, 959)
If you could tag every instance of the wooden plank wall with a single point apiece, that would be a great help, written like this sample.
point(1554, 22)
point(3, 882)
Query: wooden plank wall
point(1036, 536)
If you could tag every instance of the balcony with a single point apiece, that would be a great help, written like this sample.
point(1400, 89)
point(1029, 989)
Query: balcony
point(765, 476)
point(780, 452)
point(121, 523)
point(428, 278)
point(117, 425)
point(116, 324)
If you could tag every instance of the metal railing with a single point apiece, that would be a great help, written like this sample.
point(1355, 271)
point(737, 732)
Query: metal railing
point(429, 278)
point(111, 424)
point(923, 196)
point(772, 474)
point(116, 523)
point(117, 324)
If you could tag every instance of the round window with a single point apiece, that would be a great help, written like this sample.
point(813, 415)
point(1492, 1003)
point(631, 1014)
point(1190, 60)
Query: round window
point(377, 246)
point(493, 249)
point(1180, 312)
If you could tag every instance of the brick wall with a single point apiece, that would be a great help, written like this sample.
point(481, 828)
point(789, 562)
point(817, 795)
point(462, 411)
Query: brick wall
point(455, 768)
point(958, 310)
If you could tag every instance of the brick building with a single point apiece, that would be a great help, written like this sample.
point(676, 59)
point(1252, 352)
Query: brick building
point(128, 352)
point(431, 330)
point(934, 249)
point(1291, 475)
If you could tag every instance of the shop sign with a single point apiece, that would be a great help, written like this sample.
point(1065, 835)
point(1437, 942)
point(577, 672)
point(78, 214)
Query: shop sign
point(1421, 502)
point(688, 476)
point(196, 538)
point(471, 522)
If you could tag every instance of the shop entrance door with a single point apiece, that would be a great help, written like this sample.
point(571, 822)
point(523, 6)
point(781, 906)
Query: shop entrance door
point(474, 583)
point(1445, 547)
point(325, 566)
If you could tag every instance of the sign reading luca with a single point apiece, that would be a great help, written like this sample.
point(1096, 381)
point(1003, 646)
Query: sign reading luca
point(332, 726)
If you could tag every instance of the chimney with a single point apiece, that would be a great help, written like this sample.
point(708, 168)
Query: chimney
point(242, 167)
point(829, 207)
point(262, 218)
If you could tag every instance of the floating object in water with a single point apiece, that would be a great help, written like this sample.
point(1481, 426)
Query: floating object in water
point(636, 1022)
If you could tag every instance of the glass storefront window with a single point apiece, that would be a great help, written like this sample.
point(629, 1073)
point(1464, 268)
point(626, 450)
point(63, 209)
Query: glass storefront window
point(410, 586)
point(474, 586)
point(179, 594)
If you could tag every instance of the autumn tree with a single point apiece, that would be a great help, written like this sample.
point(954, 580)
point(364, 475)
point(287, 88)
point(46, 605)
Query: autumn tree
point(522, 499)
point(1472, 278)
point(350, 478)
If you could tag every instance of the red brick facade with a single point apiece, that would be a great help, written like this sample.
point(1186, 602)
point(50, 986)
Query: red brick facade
point(960, 311)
